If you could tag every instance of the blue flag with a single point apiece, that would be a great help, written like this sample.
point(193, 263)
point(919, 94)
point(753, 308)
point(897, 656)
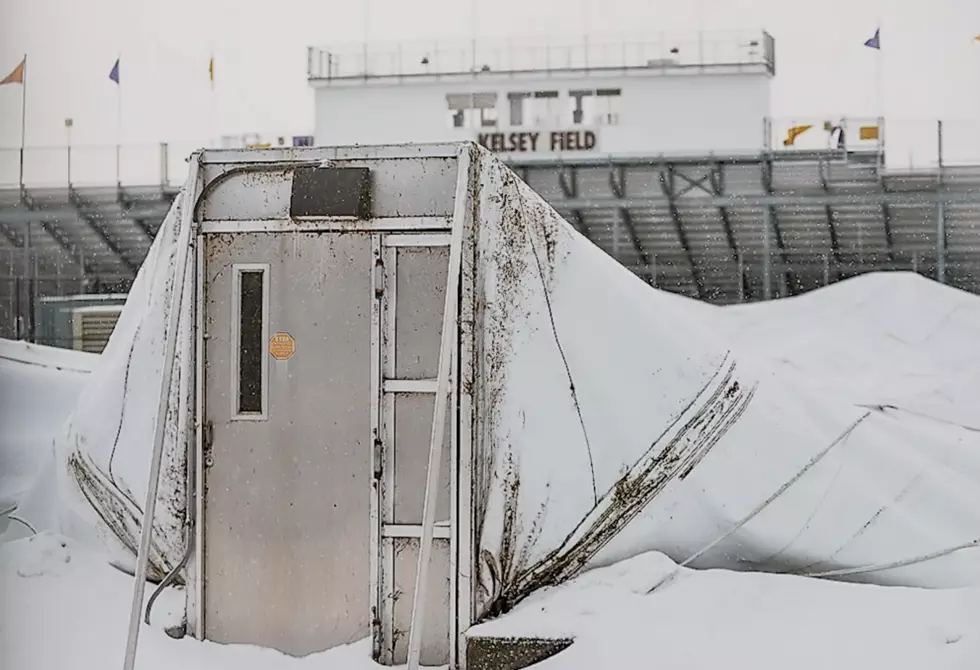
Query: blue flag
point(114, 73)
point(875, 42)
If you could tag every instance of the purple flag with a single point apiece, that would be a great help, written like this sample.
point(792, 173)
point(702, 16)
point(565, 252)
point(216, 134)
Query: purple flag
point(875, 42)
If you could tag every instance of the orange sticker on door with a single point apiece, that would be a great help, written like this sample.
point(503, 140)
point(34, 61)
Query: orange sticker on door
point(282, 346)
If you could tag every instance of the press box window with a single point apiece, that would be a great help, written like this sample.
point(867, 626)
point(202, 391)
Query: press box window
point(251, 306)
point(608, 106)
point(519, 106)
point(582, 106)
point(546, 110)
point(600, 107)
point(472, 110)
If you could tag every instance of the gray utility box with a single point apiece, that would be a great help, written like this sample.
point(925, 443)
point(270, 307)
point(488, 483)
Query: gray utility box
point(81, 322)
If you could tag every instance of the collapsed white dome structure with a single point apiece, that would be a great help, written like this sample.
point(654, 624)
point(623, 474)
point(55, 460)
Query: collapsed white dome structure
point(588, 417)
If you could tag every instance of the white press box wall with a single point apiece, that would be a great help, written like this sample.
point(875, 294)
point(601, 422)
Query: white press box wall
point(668, 113)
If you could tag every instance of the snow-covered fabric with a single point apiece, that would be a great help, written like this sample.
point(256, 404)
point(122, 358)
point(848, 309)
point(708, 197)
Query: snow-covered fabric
point(39, 387)
point(617, 419)
point(107, 451)
point(612, 420)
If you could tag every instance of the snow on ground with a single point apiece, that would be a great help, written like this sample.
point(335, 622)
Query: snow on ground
point(717, 619)
point(65, 608)
point(28, 373)
point(883, 339)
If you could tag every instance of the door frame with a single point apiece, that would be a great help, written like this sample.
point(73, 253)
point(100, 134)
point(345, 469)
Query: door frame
point(385, 316)
point(400, 231)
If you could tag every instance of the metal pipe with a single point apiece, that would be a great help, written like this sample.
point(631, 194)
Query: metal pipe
point(940, 242)
point(163, 406)
point(171, 576)
point(766, 254)
point(441, 405)
point(27, 282)
point(940, 215)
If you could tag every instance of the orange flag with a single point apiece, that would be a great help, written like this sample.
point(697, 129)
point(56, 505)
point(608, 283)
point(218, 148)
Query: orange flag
point(17, 76)
point(793, 133)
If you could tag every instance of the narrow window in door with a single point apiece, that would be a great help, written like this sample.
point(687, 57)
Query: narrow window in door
point(250, 367)
point(250, 348)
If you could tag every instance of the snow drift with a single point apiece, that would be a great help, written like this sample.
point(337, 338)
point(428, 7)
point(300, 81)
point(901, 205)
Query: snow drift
point(612, 420)
point(108, 445)
point(64, 608)
point(39, 387)
point(618, 420)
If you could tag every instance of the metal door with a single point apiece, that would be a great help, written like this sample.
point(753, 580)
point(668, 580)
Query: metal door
point(411, 307)
point(287, 454)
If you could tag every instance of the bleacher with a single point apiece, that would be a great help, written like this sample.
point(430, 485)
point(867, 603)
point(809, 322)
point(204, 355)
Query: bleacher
point(720, 228)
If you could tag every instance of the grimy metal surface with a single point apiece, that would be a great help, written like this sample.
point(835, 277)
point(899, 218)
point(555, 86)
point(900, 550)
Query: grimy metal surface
point(400, 187)
point(287, 499)
point(413, 323)
point(311, 508)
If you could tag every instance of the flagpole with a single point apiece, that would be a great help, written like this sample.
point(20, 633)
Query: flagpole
point(211, 99)
point(118, 122)
point(880, 95)
point(23, 121)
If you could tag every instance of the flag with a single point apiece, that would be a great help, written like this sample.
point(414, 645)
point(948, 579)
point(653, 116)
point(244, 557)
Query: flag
point(18, 75)
point(875, 42)
point(114, 73)
point(793, 133)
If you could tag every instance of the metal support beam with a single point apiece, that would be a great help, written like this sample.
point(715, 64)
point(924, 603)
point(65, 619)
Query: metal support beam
point(11, 235)
point(568, 183)
point(771, 221)
point(667, 185)
point(941, 242)
point(717, 180)
point(766, 255)
point(147, 229)
point(30, 277)
point(831, 215)
point(717, 177)
point(697, 182)
point(886, 219)
point(56, 213)
point(682, 160)
point(924, 199)
point(127, 206)
point(617, 182)
point(94, 222)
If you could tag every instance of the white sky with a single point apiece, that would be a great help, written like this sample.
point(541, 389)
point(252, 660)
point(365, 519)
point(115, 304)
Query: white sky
point(930, 67)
